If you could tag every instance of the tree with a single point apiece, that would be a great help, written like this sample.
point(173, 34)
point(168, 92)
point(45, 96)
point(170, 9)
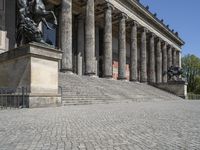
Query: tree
point(197, 85)
point(191, 67)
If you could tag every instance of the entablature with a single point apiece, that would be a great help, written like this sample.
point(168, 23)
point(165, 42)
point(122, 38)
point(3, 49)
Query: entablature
point(138, 12)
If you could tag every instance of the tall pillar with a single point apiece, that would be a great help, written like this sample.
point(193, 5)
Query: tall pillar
point(80, 45)
point(97, 46)
point(143, 69)
point(178, 59)
point(133, 53)
point(169, 57)
point(122, 48)
point(90, 38)
point(164, 62)
point(66, 35)
point(174, 57)
point(158, 61)
point(107, 65)
point(152, 73)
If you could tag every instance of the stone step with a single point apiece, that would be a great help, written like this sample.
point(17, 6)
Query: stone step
point(83, 89)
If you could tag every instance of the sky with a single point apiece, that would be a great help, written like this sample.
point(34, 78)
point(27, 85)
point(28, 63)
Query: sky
point(184, 17)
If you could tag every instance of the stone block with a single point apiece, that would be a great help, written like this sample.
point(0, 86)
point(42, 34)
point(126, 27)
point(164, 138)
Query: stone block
point(2, 41)
point(35, 67)
point(178, 88)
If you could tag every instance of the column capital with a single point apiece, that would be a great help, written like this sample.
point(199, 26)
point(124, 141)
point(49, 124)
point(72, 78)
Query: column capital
point(174, 49)
point(144, 29)
point(109, 6)
point(169, 46)
point(123, 16)
point(164, 43)
point(134, 23)
point(152, 35)
point(158, 39)
point(164, 46)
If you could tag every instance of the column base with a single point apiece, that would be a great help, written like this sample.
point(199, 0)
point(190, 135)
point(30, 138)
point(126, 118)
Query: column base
point(143, 81)
point(151, 82)
point(122, 78)
point(133, 80)
point(66, 70)
point(90, 74)
point(108, 76)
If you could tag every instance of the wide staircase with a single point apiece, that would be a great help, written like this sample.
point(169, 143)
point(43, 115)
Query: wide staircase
point(91, 90)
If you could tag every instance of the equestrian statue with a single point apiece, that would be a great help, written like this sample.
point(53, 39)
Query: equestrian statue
point(31, 13)
point(174, 73)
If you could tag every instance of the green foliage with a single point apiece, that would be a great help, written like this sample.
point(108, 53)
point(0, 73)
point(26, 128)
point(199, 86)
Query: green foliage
point(197, 85)
point(191, 67)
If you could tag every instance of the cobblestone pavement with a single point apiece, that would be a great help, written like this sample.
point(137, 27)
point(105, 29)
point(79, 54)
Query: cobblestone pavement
point(147, 125)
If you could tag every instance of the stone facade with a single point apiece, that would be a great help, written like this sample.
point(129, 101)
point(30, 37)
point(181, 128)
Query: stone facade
point(95, 34)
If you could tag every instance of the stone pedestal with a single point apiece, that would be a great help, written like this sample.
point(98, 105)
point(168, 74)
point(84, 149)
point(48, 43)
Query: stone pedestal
point(34, 67)
point(178, 88)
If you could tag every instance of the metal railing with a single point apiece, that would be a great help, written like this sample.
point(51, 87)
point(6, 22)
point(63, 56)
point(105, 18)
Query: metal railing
point(13, 98)
point(191, 96)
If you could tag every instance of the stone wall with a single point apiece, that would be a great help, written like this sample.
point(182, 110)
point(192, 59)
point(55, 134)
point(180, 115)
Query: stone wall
point(178, 88)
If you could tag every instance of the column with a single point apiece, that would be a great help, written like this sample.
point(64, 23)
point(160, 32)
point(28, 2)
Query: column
point(178, 58)
point(122, 48)
point(158, 61)
point(90, 38)
point(133, 52)
point(174, 57)
point(169, 57)
point(152, 73)
point(97, 50)
point(80, 45)
point(164, 62)
point(107, 65)
point(143, 69)
point(66, 35)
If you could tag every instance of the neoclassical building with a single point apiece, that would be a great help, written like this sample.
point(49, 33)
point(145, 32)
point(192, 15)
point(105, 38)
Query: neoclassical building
point(118, 39)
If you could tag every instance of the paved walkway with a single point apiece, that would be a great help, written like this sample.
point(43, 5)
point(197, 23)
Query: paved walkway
point(170, 125)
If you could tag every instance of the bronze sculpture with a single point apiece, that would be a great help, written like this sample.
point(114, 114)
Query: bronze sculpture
point(31, 13)
point(174, 73)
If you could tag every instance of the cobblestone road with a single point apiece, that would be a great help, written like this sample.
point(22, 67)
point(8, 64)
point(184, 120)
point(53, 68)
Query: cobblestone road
point(150, 125)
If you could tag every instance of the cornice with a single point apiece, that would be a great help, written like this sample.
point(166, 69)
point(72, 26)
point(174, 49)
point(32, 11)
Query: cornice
point(150, 18)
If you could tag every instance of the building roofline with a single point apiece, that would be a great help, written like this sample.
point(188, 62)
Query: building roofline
point(144, 10)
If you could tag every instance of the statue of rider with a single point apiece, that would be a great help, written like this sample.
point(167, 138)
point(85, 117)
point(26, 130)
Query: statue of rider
point(27, 29)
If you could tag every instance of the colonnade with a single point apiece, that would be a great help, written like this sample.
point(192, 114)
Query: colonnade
point(161, 55)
